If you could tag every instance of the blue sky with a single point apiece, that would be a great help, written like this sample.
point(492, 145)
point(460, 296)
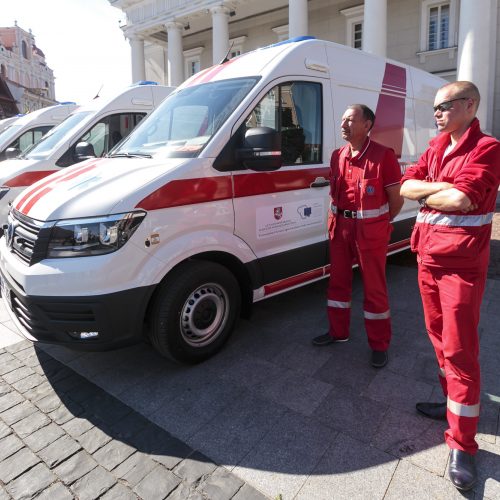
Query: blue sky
point(81, 40)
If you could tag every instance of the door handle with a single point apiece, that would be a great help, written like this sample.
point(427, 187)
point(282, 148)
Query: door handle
point(320, 182)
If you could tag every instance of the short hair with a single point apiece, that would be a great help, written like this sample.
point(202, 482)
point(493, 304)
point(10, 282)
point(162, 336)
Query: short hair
point(464, 88)
point(367, 113)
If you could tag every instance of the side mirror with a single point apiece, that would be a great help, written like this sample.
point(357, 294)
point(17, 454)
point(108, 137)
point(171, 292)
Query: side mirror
point(12, 153)
point(261, 150)
point(84, 151)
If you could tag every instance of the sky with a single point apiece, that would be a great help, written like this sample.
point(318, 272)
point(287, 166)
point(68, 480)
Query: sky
point(82, 42)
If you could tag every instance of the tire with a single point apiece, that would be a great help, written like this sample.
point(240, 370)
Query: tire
point(194, 311)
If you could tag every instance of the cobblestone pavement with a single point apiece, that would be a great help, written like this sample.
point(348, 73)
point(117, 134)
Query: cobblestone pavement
point(269, 417)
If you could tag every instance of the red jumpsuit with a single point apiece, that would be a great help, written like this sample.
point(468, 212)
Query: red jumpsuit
point(359, 234)
point(453, 253)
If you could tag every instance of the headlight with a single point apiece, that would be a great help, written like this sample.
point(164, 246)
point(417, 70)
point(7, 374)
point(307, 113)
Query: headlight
point(93, 236)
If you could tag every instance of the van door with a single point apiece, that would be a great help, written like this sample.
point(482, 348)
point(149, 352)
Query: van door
point(281, 215)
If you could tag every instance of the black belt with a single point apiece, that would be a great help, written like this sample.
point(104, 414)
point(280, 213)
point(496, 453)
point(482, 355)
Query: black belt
point(348, 214)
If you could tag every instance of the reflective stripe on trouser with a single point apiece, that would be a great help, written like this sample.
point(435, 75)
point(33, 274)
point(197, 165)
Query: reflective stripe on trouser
point(343, 254)
point(451, 308)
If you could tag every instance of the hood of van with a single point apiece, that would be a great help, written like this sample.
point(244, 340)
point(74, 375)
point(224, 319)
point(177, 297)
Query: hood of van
point(94, 187)
point(20, 173)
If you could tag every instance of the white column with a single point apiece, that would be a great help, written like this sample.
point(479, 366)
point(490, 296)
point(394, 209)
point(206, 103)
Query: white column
point(175, 59)
point(477, 52)
point(297, 18)
point(375, 27)
point(137, 55)
point(220, 33)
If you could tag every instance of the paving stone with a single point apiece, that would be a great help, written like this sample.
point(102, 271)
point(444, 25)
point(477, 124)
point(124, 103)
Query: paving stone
point(18, 412)
point(30, 424)
point(106, 408)
point(351, 469)
point(39, 392)
point(28, 383)
point(59, 450)
point(94, 484)
point(49, 403)
point(131, 425)
point(21, 349)
point(194, 467)
point(31, 483)
point(4, 388)
point(9, 400)
point(113, 454)
point(15, 375)
point(9, 445)
point(157, 484)
point(75, 467)
point(66, 412)
point(10, 366)
point(15, 465)
point(160, 446)
point(94, 439)
point(56, 491)
point(247, 492)
point(134, 469)
point(43, 437)
point(77, 426)
point(221, 484)
point(4, 495)
point(119, 492)
point(5, 430)
point(186, 491)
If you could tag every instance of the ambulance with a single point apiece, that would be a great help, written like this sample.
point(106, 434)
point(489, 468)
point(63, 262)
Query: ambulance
point(217, 200)
point(6, 122)
point(90, 131)
point(26, 130)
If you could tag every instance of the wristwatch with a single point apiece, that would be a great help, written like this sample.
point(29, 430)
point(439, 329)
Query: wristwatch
point(423, 202)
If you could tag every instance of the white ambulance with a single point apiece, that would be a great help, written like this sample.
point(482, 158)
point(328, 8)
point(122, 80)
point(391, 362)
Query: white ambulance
point(6, 122)
point(26, 130)
point(217, 200)
point(90, 131)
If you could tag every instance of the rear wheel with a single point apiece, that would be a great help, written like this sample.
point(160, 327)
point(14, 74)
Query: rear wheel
point(194, 311)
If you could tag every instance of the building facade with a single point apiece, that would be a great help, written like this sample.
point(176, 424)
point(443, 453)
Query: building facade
point(457, 39)
point(23, 68)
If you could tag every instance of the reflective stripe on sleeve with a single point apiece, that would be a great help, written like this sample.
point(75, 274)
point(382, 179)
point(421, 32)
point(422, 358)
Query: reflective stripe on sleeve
point(376, 212)
point(463, 410)
point(339, 304)
point(384, 315)
point(454, 220)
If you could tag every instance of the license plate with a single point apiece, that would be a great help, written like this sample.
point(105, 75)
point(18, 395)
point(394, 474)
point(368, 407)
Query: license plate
point(6, 293)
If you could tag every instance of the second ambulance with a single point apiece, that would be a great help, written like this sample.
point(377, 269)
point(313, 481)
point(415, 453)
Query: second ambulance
point(217, 200)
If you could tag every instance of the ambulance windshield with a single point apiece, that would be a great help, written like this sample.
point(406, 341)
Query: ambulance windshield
point(186, 120)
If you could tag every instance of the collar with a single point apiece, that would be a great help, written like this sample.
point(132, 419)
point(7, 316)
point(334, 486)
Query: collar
point(441, 142)
point(360, 154)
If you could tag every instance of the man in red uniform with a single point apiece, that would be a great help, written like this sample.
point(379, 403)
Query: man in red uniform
point(456, 181)
point(365, 197)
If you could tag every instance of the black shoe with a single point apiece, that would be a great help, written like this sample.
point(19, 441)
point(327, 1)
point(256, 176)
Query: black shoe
point(326, 339)
point(436, 411)
point(379, 358)
point(463, 473)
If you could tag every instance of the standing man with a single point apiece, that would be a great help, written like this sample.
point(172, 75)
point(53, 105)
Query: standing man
point(365, 197)
point(456, 182)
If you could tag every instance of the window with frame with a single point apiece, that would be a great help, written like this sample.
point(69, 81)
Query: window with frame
point(439, 27)
point(192, 58)
point(354, 26)
point(295, 110)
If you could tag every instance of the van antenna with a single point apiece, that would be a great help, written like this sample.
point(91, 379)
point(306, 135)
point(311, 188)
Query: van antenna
point(226, 57)
point(100, 88)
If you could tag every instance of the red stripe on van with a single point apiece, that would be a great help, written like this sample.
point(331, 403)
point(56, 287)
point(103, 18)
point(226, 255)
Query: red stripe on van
point(286, 283)
point(200, 190)
point(28, 178)
point(390, 114)
point(40, 190)
point(188, 192)
point(212, 72)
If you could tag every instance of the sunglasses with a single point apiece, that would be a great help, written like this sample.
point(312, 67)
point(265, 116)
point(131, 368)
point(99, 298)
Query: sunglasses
point(446, 105)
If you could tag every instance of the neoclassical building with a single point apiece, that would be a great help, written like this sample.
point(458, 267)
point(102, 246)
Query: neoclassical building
point(456, 39)
point(23, 68)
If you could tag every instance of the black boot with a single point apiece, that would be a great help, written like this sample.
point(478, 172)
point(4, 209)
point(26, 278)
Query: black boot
point(463, 473)
point(436, 411)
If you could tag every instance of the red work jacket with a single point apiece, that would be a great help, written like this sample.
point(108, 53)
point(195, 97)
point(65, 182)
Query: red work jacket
point(457, 240)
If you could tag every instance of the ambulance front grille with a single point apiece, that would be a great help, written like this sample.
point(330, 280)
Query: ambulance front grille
point(27, 237)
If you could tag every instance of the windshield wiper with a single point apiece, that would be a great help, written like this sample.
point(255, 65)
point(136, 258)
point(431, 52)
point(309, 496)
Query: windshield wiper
point(134, 154)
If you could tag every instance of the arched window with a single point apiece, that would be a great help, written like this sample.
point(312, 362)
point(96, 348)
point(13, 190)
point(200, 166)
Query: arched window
point(24, 48)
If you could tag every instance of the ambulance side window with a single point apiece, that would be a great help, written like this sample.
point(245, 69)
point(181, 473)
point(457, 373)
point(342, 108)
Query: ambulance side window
point(295, 109)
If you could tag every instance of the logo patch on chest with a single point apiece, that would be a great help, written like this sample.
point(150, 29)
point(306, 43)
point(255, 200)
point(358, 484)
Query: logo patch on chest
point(370, 190)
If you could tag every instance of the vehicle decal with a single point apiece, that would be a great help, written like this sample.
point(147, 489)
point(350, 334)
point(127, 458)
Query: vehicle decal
point(28, 178)
point(199, 190)
point(210, 73)
point(34, 194)
point(390, 113)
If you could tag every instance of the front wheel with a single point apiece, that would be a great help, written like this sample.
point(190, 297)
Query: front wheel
point(194, 311)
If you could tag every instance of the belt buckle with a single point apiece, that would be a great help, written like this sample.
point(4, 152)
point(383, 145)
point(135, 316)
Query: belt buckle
point(349, 214)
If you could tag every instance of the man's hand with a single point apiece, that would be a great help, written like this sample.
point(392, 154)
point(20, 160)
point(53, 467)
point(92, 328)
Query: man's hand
point(414, 189)
point(450, 200)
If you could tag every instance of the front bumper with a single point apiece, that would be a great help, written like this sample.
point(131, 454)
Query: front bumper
point(117, 318)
